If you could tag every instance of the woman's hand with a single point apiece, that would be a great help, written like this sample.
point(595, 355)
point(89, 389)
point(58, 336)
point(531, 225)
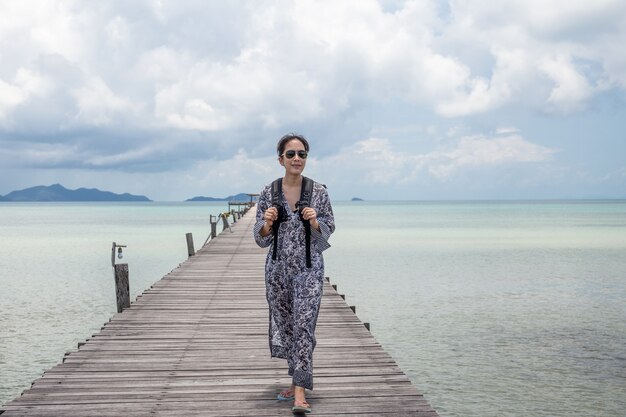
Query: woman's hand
point(309, 213)
point(270, 216)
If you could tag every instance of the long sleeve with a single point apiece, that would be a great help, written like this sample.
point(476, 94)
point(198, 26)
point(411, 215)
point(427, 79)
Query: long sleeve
point(325, 218)
point(263, 204)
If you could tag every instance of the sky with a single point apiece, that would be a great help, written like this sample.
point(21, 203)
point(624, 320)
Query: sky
point(400, 100)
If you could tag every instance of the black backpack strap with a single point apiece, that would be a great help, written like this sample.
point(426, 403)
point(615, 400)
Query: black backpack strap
point(306, 192)
point(277, 190)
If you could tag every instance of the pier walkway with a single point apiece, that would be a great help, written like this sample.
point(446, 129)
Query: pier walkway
point(195, 344)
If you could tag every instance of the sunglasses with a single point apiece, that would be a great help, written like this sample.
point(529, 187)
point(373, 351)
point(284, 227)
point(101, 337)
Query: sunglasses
point(291, 153)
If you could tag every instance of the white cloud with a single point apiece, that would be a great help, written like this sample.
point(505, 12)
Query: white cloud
point(31, 28)
point(117, 30)
point(10, 96)
point(162, 65)
point(303, 62)
point(506, 130)
point(529, 40)
point(571, 90)
point(98, 105)
point(480, 151)
point(374, 160)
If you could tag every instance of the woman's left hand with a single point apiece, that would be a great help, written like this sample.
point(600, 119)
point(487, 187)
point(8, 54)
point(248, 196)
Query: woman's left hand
point(309, 213)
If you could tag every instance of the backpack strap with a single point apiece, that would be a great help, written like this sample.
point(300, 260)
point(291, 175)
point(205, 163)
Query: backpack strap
point(277, 190)
point(306, 192)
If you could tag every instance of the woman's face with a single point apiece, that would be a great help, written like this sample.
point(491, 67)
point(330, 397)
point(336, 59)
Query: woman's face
point(295, 165)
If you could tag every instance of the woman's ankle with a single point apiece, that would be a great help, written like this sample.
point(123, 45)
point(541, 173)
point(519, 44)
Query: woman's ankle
point(299, 394)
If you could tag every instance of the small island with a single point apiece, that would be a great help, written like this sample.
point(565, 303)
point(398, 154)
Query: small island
point(57, 192)
point(236, 197)
point(357, 199)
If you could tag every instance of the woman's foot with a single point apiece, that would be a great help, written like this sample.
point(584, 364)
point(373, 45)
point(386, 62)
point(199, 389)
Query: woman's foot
point(300, 405)
point(287, 394)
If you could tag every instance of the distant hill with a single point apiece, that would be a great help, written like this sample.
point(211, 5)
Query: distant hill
point(357, 199)
point(241, 197)
point(57, 192)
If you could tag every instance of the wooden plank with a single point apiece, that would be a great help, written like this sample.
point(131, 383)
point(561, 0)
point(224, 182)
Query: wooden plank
point(185, 347)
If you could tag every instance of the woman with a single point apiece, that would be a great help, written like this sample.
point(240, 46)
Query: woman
point(294, 289)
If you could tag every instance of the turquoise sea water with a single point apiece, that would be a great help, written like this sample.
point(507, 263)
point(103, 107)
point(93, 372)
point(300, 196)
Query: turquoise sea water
point(491, 308)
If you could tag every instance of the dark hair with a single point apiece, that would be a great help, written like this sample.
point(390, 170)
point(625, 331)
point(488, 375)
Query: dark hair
point(288, 137)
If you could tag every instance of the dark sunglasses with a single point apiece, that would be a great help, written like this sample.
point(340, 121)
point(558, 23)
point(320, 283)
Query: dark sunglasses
point(291, 153)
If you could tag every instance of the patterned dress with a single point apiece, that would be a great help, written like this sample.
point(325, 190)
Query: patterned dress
point(294, 292)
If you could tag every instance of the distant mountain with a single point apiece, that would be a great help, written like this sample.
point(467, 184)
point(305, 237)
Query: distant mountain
point(357, 199)
point(57, 192)
point(241, 197)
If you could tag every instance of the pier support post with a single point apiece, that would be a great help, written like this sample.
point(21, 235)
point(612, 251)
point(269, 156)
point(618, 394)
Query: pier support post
point(213, 227)
point(190, 249)
point(224, 221)
point(232, 212)
point(121, 286)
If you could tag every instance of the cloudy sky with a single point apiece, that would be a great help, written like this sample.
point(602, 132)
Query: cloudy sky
point(422, 99)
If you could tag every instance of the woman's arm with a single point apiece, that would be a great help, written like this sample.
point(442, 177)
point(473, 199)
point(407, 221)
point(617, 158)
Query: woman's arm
point(262, 233)
point(325, 220)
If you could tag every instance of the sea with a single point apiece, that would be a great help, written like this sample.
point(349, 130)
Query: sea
point(492, 308)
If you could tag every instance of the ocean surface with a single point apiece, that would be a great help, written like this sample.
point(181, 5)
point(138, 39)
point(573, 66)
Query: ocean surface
point(491, 308)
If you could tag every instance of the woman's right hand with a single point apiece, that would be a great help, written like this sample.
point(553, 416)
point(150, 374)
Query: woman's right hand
point(270, 216)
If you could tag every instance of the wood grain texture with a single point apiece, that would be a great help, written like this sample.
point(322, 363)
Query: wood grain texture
point(196, 344)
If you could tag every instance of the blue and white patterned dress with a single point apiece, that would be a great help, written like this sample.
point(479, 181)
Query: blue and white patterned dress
point(294, 292)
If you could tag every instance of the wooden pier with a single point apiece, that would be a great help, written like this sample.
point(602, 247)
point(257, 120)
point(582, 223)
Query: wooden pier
point(196, 344)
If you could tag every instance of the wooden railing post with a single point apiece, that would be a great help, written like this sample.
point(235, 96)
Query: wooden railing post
point(232, 212)
point(120, 274)
point(213, 227)
point(224, 221)
point(122, 292)
point(190, 249)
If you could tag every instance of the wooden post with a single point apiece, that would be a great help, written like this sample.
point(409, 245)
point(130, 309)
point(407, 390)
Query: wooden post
point(190, 249)
point(224, 221)
point(232, 212)
point(121, 286)
point(213, 227)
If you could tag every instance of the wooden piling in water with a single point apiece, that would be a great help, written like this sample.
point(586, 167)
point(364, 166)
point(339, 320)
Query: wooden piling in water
point(122, 292)
point(213, 227)
point(190, 249)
